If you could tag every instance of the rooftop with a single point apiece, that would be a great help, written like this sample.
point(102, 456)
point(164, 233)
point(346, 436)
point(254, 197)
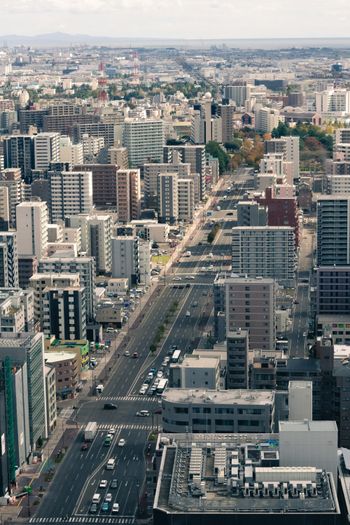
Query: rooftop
point(312, 426)
point(227, 397)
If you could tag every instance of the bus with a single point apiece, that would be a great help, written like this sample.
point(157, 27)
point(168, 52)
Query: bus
point(161, 386)
point(176, 356)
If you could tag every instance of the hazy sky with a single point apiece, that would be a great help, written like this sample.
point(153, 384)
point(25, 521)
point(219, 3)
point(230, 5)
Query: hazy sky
point(178, 18)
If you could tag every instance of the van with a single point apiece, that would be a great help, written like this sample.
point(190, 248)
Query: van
point(110, 464)
point(96, 498)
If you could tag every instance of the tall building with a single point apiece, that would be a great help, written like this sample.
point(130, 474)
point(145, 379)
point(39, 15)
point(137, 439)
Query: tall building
point(185, 190)
point(144, 140)
point(4, 209)
point(333, 230)
point(8, 260)
point(69, 152)
point(46, 150)
point(168, 198)
point(104, 183)
point(266, 119)
point(150, 177)
point(238, 93)
point(39, 282)
point(128, 195)
point(194, 155)
point(227, 114)
point(282, 209)
point(27, 348)
point(237, 344)
point(32, 221)
point(118, 156)
point(333, 290)
point(70, 193)
point(265, 251)
point(12, 180)
point(85, 266)
point(251, 306)
point(251, 213)
point(19, 153)
point(334, 100)
point(64, 312)
point(125, 258)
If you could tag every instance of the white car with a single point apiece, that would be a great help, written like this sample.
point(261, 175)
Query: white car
point(160, 374)
point(103, 484)
point(177, 279)
point(121, 442)
point(108, 497)
point(115, 508)
point(111, 431)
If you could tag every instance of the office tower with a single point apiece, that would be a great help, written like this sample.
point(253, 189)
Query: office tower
point(266, 119)
point(185, 188)
point(118, 156)
point(125, 258)
point(238, 93)
point(4, 209)
point(46, 150)
point(251, 306)
point(104, 183)
point(251, 213)
point(70, 193)
point(193, 155)
point(19, 153)
point(144, 140)
point(227, 114)
point(85, 266)
point(32, 221)
point(265, 251)
point(333, 234)
point(206, 125)
point(333, 290)
point(64, 312)
point(300, 400)
point(12, 180)
point(69, 152)
point(39, 282)
point(334, 100)
point(288, 147)
point(237, 344)
point(27, 266)
point(128, 195)
point(26, 349)
point(168, 200)
point(8, 121)
point(8, 260)
point(31, 117)
point(150, 177)
point(96, 233)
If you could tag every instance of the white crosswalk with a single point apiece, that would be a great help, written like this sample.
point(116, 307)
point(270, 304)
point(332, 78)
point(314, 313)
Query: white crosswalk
point(130, 398)
point(103, 520)
point(132, 426)
point(66, 413)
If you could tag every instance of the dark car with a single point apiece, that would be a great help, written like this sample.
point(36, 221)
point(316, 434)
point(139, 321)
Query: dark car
point(114, 484)
point(110, 406)
point(93, 508)
point(159, 411)
point(84, 446)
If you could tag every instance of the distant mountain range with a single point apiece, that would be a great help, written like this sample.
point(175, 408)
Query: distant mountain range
point(66, 40)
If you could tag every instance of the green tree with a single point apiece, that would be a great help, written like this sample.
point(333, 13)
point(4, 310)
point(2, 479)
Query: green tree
point(215, 150)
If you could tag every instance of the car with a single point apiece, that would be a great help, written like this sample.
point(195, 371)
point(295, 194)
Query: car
point(177, 279)
point(173, 347)
point(84, 446)
point(188, 313)
point(135, 355)
point(295, 302)
point(115, 508)
point(121, 442)
point(105, 506)
point(111, 431)
point(143, 390)
point(110, 330)
point(229, 213)
point(109, 406)
point(159, 411)
point(127, 353)
point(93, 508)
point(211, 267)
point(148, 380)
point(143, 413)
point(108, 497)
point(103, 484)
point(114, 484)
point(194, 304)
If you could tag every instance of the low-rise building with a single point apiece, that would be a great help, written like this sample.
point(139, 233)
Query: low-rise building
point(196, 371)
point(67, 372)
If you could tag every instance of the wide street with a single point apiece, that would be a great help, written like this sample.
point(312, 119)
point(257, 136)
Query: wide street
point(189, 284)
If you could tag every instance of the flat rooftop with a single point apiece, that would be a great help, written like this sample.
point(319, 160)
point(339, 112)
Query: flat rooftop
point(233, 474)
point(315, 426)
point(222, 397)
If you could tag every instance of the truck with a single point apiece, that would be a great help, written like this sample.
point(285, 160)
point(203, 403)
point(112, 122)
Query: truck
point(90, 431)
point(176, 356)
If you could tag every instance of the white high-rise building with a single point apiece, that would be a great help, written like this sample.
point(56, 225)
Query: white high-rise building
point(266, 119)
point(288, 147)
point(125, 258)
point(70, 193)
point(71, 153)
point(265, 251)
point(144, 140)
point(46, 150)
point(334, 100)
point(185, 199)
point(32, 222)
